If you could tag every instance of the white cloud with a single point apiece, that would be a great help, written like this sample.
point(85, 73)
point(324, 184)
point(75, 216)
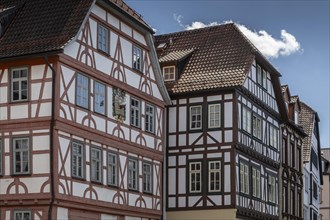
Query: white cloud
point(266, 43)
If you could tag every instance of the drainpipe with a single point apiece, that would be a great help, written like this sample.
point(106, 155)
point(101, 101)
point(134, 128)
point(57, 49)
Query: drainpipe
point(51, 141)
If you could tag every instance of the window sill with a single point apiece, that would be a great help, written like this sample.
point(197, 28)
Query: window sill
point(107, 54)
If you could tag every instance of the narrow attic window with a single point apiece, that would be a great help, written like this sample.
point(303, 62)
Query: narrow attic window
point(169, 73)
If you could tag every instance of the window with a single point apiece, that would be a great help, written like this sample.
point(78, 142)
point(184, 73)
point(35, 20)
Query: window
point(112, 169)
point(169, 73)
point(273, 136)
point(256, 182)
point(82, 91)
point(296, 117)
point(19, 84)
point(244, 178)
point(285, 199)
point(96, 165)
point(214, 176)
point(314, 158)
point(271, 189)
point(147, 178)
point(293, 155)
point(22, 215)
point(246, 120)
point(78, 160)
point(150, 118)
point(315, 193)
point(132, 174)
point(306, 183)
point(257, 127)
point(299, 204)
point(0, 158)
point(214, 116)
point(292, 201)
point(284, 151)
point(21, 155)
point(99, 98)
point(261, 77)
point(195, 175)
point(195, 117)
point(135, 112)
point(102, 38)
point(298, 159)
point(137, 58)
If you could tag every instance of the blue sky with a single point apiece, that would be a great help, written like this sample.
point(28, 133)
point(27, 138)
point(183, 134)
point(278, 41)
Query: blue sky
point(294, 35)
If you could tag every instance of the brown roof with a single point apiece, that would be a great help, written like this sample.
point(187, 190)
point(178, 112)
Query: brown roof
point(307, 120)
point(47, 25)
point(42, 25)
point(176, 55)
point(221, 58)
point(132, 13)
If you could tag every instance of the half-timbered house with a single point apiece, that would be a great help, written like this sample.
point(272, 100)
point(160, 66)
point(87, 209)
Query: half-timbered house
point(223, 132)
point(291, 184)
point(313, 179)
point(81, 112)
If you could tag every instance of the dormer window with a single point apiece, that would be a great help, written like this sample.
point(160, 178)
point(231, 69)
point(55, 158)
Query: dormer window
point(296, 117)
point(169, 73)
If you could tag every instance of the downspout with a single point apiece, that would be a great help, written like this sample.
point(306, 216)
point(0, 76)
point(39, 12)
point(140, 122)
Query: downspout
point(51, 141)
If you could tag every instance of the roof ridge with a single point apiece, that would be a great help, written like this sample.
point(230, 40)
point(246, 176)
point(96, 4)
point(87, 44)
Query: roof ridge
point(195, 30)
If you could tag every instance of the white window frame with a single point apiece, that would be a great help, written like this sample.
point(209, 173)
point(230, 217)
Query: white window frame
point(147, 177)
point(273, 136)
point(150, 118)
point(256, 182)
point(196, 121)
point(103, 38)
point(214, 176)
point(133, 174)
point(244, 178)
point(78, 160)
point(22, 212)
point(82, 91)
point(169, 76)
point(99, 98)
point(212, 115)
point(112, 169)
point(271, 189)
point(246, 119)
point(257, 126)
point(22, 153)
point(135, 112)
point(194, 173)
point(20, 80)
point(96, 164)
point(137, 58)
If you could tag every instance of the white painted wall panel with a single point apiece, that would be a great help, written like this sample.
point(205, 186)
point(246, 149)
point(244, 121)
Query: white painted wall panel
point(19, 111)
point(99, 12)
point(126, 49)
point(182, 118)
point(45, 109)
point(182, 180)
point(3, 113)
point(103, 64)
point(197, 99)
point(172, 119)
point(214, 98)
point(108, 217)
point(3, 94)
point(126, 29)
point(33, 184)
point(227, 178)
point(228, 114)
point(40, 163)
point(71, 49)
point(171, 179)
point(62, 213)
point(139, 37)
point(35, 91)
point(182, 140)
point(113, 20)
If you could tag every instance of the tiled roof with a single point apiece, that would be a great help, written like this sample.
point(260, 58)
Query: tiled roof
point(42, 25)
point(176, 55)
point(47, 25)
point(222, 57)
point(307, 120)
point(127, 9)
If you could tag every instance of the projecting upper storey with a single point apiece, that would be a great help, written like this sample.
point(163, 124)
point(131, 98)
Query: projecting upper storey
point(217, 57)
